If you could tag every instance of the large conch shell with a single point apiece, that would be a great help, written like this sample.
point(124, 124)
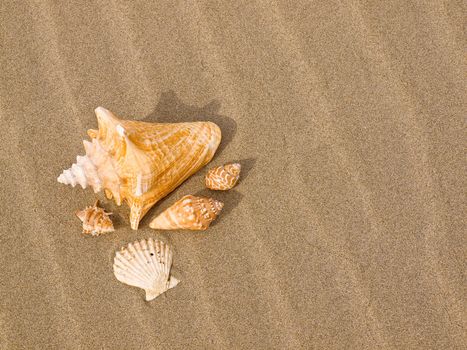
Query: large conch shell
point(145, 264)
point(140, 162)
point(96, 221)
point(223, 177)
point(188, 213)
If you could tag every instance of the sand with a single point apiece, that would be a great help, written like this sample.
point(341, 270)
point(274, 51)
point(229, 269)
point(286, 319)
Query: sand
point(347, 230)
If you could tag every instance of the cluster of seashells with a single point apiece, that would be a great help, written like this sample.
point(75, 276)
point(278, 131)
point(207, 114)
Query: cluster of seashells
point(140, 163)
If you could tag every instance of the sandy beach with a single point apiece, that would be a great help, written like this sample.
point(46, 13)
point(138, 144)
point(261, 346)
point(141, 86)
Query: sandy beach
point(347, 228)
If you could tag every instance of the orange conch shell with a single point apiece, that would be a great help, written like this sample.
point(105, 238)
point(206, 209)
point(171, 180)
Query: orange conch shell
point(223, 177)
point(95, 220)
point(140, 162)
point(188, 213)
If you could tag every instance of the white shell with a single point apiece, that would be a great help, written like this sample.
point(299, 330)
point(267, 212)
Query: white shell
point(146, 264)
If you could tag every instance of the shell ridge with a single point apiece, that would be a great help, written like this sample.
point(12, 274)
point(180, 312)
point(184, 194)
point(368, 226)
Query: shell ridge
point(128, 270)
point(131, 276)
point(152, 258)
point(134, 262)
point(147, 256)
point(126, 265)
point(140, 259)
point(153, 252)
point(130, 279)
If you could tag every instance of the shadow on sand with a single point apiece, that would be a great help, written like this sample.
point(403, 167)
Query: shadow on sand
point(170, 109)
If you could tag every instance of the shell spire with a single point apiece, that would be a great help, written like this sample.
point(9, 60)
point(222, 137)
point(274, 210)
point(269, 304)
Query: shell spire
point(139, 162)
point(83, 172)
point(188, 213)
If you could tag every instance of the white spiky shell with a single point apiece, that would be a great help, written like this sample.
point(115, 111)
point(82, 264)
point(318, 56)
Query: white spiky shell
point(139, 162)
point(146, 264)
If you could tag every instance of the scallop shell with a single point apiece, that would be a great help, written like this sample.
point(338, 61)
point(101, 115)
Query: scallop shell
point(95, 220)
point(140, 162)
point(145, 264)
point(188, 213)
point(223, 177)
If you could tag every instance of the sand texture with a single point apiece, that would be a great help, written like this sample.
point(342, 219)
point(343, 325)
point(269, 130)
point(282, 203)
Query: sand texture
point(347, 227)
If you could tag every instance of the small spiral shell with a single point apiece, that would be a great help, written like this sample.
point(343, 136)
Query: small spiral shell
point(95, 220)
point(223, 177)
point(188, 213)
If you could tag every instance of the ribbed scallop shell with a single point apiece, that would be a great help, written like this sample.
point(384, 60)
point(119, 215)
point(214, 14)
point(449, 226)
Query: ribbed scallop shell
point(223, 177)
point(140, 162)
point(145, 264)
point(95, 220)
point(188, 213)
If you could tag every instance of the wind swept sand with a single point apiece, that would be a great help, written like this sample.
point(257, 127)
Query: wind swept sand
point(347, 228)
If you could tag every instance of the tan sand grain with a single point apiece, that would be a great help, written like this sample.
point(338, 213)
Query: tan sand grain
point(347, 228)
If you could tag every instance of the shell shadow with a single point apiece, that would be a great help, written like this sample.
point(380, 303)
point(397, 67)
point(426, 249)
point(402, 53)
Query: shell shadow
point(231, 200)
point(170, 109)
point(247, 165)
point(117, 216)
point(117, 220)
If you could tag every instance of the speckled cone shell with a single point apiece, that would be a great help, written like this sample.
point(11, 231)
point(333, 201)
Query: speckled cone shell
point(223, 177)
point(140, 162)
point(145, 264)
point(95, 220)
point(188, 213)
